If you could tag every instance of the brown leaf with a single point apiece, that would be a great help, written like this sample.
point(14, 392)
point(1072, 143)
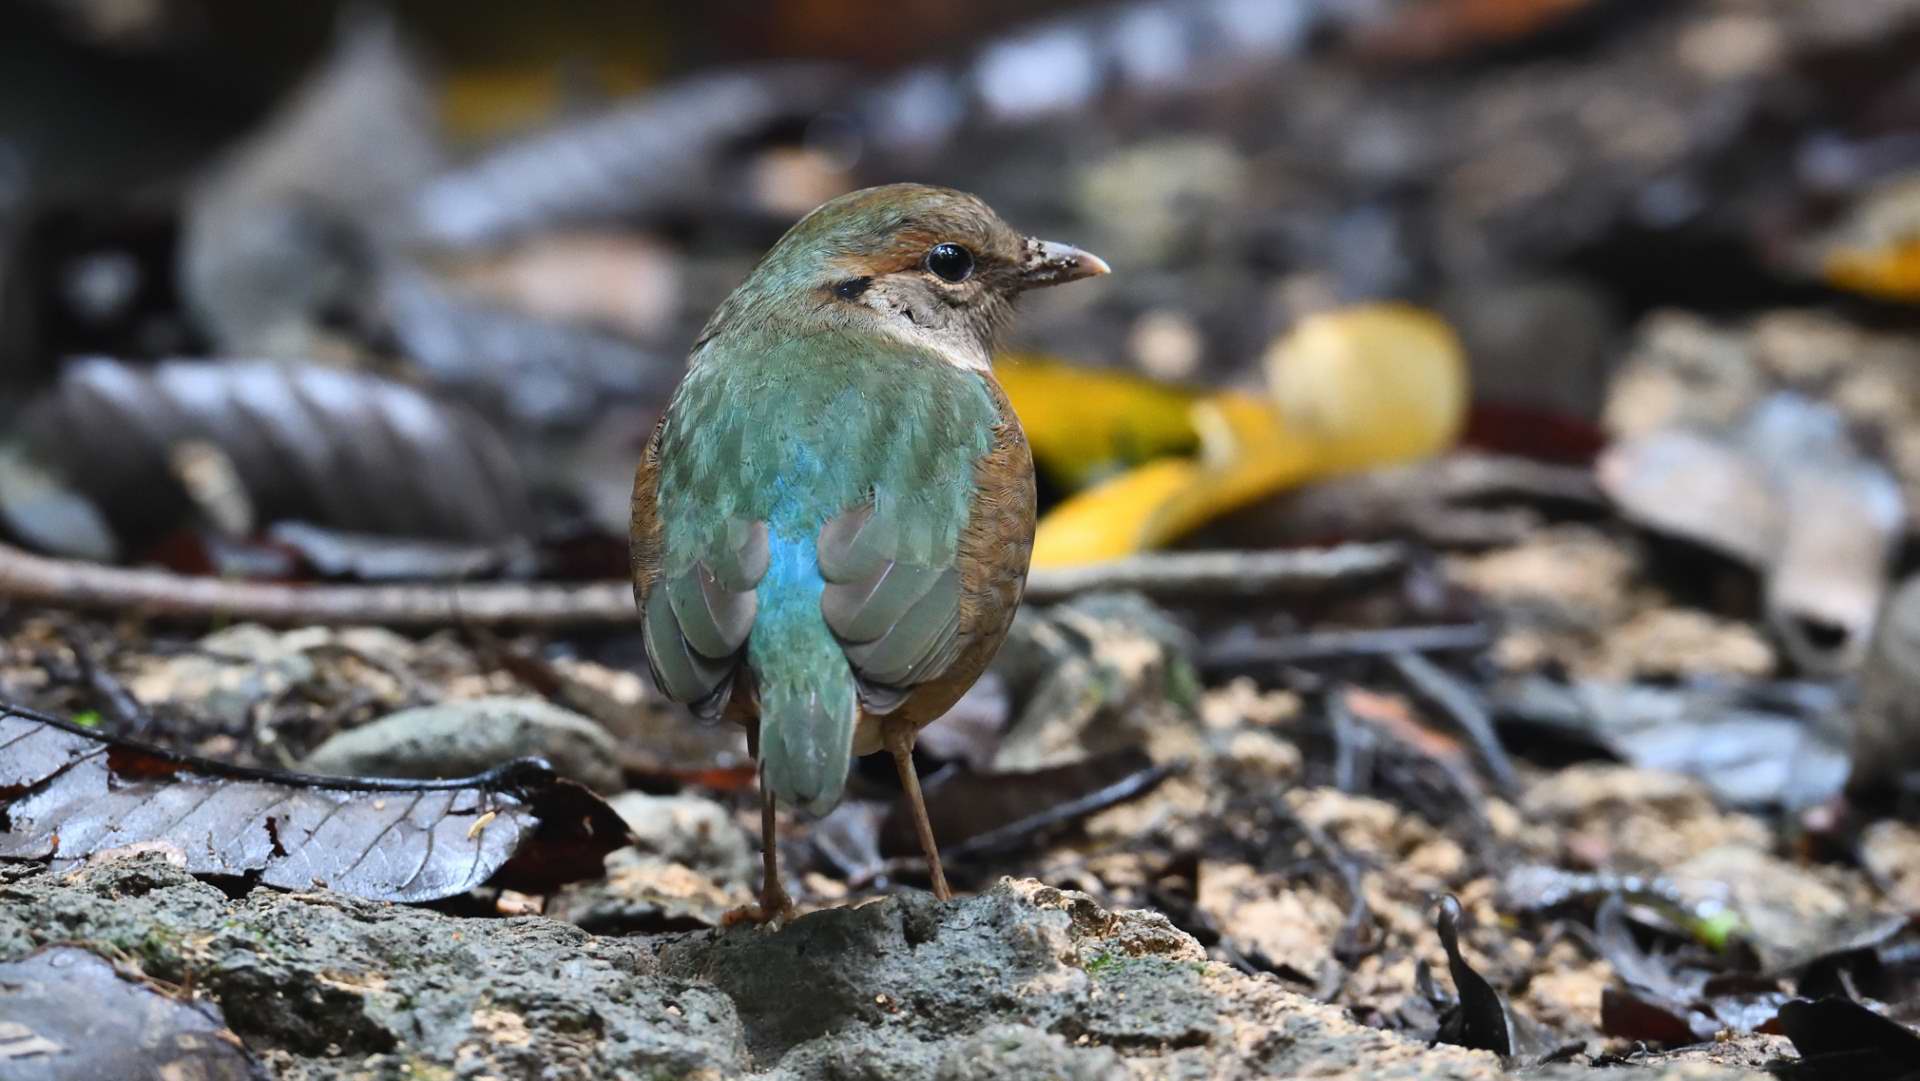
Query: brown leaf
point(67, 795)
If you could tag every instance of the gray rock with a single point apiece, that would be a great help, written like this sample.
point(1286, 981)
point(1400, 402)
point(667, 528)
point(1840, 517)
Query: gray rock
point(691, 830)
point(1023, 982)
point(457, 739)
point(330, 987)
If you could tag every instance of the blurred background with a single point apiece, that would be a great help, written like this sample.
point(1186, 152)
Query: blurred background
point(1541, 376)
point(365, 292)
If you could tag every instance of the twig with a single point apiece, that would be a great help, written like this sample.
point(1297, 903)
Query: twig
point(34, 579)
point(1223, 573)
point(1353, 745)
point(129, 717)
point(1014, 833)
point(1443, 501)
point(1429, 681)
point(1356, 939)
point(1243, 654)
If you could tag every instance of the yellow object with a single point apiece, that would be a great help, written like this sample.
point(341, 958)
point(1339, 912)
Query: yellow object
point(1244, 456)
point(1115, 518)
point(1086, 424)
point(1371, 385)
point(1891, 272)
point(1352, 389)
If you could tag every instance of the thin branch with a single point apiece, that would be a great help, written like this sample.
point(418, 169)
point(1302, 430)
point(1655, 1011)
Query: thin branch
point(1223, 574)
point(33, 579)
point(1462, 704)
point(1263, 654)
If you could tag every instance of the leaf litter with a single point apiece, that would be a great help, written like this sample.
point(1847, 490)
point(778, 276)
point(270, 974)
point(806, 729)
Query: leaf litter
point(68, 795)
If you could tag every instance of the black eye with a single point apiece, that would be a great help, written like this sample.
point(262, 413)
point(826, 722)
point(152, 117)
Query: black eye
point(951, 262)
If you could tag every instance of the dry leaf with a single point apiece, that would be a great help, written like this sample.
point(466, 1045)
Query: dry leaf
point(69, 795)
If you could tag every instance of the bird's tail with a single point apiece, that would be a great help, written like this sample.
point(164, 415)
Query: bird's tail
point(808, 701)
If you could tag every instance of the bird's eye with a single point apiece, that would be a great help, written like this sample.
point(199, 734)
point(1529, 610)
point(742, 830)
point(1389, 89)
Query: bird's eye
point(950, 262)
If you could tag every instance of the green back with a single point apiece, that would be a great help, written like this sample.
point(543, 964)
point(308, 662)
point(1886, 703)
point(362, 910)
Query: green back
point(792, 428)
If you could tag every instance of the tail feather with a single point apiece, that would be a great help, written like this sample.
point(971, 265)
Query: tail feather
point(808, 697)
point(806, 739)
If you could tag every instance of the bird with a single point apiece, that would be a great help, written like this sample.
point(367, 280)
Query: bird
point(833, 517)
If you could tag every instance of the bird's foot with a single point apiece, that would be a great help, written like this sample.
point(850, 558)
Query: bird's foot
point(774, 907)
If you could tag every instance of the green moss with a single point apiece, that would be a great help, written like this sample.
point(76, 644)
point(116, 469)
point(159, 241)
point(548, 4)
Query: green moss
point(419, 1069)
point(1108, 965)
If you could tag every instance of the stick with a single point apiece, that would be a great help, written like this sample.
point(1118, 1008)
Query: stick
point(32, 579)
point(1263, 654)
point(1459, 702)
point(1220, 574)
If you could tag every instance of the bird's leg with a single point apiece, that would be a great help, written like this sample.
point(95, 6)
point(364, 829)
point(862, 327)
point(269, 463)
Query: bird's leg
point(774, 904)
point(899, 734)
point(773, 898)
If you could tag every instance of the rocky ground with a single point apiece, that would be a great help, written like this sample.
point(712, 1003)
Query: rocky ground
point(1266, 906)
point(1023, 981)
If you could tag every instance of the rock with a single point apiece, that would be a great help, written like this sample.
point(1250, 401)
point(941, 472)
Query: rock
point(690, 830)
point(329, 987)
point(690, 865)
point(1102, 672)
point(1022, 982)
point(644, 893)
point(457, 739)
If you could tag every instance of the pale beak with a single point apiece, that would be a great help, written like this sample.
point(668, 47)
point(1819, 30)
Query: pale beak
point(1049, 262)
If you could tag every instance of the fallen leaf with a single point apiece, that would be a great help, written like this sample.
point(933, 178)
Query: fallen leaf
point(1786, 490)
point(1480, 1020)
point(1841, 1039)
point(1245, 455)
point(661, 150)
point(318, 444)
point(337, 554)
point(1353, 389)
point(68, 794)
point(1437, 29)
point(1874, 249)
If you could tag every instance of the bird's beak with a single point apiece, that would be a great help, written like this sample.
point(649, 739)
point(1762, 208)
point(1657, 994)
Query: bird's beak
point(1049, 262)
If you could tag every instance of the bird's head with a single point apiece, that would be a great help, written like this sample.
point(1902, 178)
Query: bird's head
point(931, 266)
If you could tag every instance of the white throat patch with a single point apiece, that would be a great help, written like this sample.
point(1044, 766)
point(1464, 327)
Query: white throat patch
point(958, 349)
